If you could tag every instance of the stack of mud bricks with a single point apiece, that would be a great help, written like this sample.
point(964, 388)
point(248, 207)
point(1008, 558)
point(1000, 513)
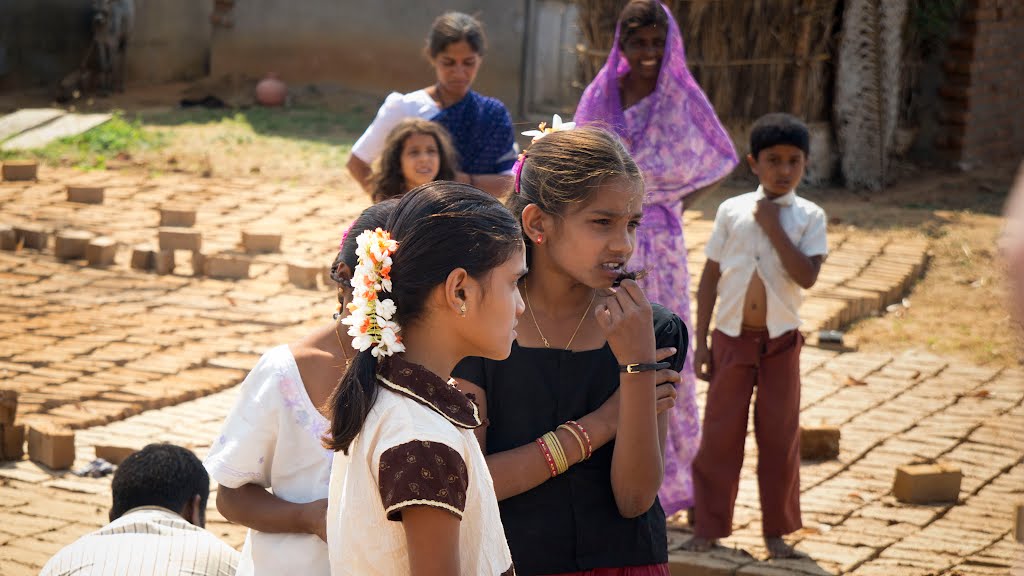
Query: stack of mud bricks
point(979, 112)
point(48, 445)
point(175, 233)
point(12, 434)
point(927, 483)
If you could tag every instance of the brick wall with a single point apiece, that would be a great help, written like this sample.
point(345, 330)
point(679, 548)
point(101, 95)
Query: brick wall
point(983, 95)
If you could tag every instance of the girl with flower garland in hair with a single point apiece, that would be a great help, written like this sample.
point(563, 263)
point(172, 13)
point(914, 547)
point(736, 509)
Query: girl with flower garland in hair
point(416, 152)
point(272, 439)
point(576, 416)
point(435, 285)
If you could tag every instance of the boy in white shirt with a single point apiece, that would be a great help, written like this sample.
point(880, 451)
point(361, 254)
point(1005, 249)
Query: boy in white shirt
point(765, 248)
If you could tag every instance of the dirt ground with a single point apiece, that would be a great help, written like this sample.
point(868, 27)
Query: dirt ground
point(958, 309)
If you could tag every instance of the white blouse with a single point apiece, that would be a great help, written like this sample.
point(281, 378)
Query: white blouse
point(272, 438)
point(396, 107)
point(416, 448)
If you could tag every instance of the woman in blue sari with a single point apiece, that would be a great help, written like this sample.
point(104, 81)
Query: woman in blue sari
point(479, 125)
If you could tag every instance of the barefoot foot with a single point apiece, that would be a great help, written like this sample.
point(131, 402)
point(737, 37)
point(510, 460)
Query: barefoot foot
point(698, 544)
point(778, 549)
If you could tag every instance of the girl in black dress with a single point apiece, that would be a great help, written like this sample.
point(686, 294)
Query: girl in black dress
point(576, 416)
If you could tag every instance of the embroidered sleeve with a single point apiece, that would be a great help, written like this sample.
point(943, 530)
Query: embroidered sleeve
point(420, 473)
point(243, 453)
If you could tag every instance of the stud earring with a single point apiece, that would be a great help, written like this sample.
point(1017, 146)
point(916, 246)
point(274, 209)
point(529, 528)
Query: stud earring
point(539, 238)
point(462, 309)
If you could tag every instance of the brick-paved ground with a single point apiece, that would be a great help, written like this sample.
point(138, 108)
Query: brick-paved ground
point(910, 407)
point(89, 348)
point(86, 346)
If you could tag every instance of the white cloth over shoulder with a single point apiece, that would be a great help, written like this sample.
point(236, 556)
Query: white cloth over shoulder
point(740, 246)
point(145, 541)
point(272, 438)
point(396, 107)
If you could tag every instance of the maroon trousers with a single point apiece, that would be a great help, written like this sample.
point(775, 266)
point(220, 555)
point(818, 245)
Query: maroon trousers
point(738, 365)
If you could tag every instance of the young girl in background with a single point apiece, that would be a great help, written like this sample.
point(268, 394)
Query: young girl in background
point(417, 151)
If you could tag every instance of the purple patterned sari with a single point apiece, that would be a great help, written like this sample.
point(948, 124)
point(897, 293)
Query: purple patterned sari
point(679, 144)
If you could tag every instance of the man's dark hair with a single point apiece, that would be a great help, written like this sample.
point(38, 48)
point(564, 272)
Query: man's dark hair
point(162, 475)
point(779, 128)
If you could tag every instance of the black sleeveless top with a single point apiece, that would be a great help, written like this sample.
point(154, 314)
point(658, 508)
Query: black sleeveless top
point(569, 523)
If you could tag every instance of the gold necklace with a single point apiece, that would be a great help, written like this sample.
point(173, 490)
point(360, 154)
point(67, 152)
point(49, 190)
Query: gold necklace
point(526, 291)
point(342, 345)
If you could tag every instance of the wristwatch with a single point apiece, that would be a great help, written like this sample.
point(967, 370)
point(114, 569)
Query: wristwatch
point(637, 368)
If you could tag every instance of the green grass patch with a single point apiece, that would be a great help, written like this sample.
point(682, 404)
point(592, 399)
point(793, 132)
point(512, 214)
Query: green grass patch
point(91, 150)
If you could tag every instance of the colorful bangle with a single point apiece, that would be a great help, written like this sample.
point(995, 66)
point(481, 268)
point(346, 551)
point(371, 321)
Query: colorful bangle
point(556, 452)
point(546, 452)
point(586, 437)
point(576, 436)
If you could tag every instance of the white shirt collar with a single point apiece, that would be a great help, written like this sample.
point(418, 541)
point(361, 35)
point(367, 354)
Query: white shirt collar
point(786, 199)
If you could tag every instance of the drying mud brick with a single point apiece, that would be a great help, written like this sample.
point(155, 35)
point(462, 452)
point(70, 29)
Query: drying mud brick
point(113, 453)
point(1018, 522)
point(304, 274)
point(181, 216)
point(819, 442)
point(198, 263)
point(51, 446)
point(8, 406)
point(180, 239)
point(261, 241)
point(85, 194)
point(101, 251)
point(19, 170)
point(227, 266)
point(163, 262)
point(33, 237)
point(71, 244)
point(144, 257)
point(927, 483)
point(8, 237)
point(13, 446)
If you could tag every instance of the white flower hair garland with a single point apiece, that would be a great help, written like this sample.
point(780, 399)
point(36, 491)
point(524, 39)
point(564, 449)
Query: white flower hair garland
point(556, 126)
point(370, 319)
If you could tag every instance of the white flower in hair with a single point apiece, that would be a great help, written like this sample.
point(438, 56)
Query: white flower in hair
point(370, 319)
point(556, 126)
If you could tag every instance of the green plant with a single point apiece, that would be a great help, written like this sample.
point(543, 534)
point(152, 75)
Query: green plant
point(92, 149)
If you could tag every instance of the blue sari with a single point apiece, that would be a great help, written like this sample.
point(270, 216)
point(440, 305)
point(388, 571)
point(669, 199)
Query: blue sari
point(481, 129)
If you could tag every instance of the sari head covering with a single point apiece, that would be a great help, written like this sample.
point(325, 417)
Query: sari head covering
point(673, 134)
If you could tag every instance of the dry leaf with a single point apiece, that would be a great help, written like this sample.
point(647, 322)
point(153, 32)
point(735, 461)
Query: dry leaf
point(851, 381)
point(980, 394)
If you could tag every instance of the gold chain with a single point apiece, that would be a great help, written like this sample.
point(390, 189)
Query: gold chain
point(342, 345)
point(526, 291)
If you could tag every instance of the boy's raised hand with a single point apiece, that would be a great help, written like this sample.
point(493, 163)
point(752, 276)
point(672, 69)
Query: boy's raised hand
point(766, 214)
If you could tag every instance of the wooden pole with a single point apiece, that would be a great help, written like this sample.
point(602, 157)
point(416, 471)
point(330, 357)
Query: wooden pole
point(803, 47)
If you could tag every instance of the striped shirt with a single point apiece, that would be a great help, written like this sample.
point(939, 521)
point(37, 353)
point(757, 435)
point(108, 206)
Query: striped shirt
point(149, 541)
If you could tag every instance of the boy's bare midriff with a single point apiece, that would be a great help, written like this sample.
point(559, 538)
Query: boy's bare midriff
point(755, 304)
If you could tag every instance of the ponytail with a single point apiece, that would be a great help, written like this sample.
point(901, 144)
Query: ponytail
point(352, 400)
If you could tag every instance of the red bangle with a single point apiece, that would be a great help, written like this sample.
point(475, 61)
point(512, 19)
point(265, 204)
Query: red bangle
point(586, 437)
point(547, 457)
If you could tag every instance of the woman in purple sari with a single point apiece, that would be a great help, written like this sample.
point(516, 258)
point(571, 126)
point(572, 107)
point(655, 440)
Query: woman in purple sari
point(646, 94)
